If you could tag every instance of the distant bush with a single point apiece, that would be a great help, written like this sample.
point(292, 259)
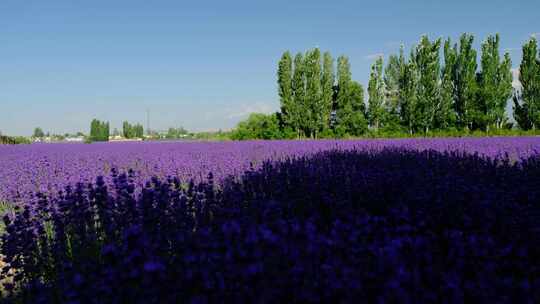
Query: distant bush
point(258, 126)
point(13, 140)
point(388, 226)
point(262, 126)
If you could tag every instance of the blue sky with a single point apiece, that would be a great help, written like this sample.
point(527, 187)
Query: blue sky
point(204, 64)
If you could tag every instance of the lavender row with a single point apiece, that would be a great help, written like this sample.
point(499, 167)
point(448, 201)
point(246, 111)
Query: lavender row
point(49, 168)
point(385, 226)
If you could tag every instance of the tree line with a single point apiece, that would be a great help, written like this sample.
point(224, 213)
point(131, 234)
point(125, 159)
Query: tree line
point(132, 131)
point(438, 86)
point(99, 130)
point(527, 100)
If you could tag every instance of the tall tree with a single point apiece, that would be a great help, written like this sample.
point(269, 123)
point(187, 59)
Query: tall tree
point(521, 113)
point(392, 88)
point(427, 61)
point(299, 93)
point(529, 77)
point(376, 94)
point(494, 85)
point(408, 94)
point(126, 129)
point(327, 86)
point(94, 130)
point(313, 92)
point(343, 103)
point(465, 80)
point(504, 90)
point(357, 123)
point(38, 133)
point(445, 116)
point(285, 90)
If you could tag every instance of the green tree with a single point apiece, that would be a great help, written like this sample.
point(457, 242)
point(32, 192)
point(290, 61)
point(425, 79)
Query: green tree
point(285, 90)
point(127, 130)
point(408, 93)
point(465, 81)
point(38, 133)
point(445, 116)
point(495, 84)
point(376, 94)
point(392, 74)
point(529, 77)
point(327, 86)
point(314, 99)
point(299, 93)
point(99, 131)
point(357, 124)
point(343, 106)
point(94, 130)
point(428, 64)
point(258, 126)
point(504, 90)
point(521, 113)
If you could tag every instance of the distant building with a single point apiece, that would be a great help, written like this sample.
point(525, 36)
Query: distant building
point(74, 139)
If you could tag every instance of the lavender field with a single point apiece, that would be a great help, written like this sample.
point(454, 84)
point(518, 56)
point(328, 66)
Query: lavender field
point(412, 221)
point(48, 168)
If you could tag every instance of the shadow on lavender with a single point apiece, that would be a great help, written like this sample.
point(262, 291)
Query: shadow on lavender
point(389, 225)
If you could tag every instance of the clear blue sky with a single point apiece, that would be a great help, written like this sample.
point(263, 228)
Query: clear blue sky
point(204, 64)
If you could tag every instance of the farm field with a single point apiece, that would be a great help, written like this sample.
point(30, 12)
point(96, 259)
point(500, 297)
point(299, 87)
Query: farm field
point(48, 168)
point(414, 220)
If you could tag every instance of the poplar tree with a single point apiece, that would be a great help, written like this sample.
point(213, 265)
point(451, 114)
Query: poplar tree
point(343, 104)
point(521, 113)
point(126, 129)
point(495, 85)
point(376, 94)
point(299, 93)
point(465, 80)
point(313, 92)
point(487, 83)
point(327, 86)
point(445, 116)
point(427, 61)
point(529, 77)
point(408, 93)
point(504, 90)
point(285, 90)
point(392, 73)
point(357, 123)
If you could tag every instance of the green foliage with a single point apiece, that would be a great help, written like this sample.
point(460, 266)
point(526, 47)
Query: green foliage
point(99, 131)
point(427, 62)
point(132, 131)
point(465, 81)
point(408, 93)
point(38, 133)
point(176, 133)
point(13, 140)
point(376, 94)
point(530, 80)
point(285, 90)
point(299, 93)
point(495, 85)
point(313, 103)
point(327, 86)
point(343, 107)
point(258, 126)
point(445, 117)
point(392, 74)
point(212, 135)
point(521, 114)
point(409, 96)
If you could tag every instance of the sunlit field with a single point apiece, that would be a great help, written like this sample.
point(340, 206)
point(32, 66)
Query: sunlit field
point(412, 220)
